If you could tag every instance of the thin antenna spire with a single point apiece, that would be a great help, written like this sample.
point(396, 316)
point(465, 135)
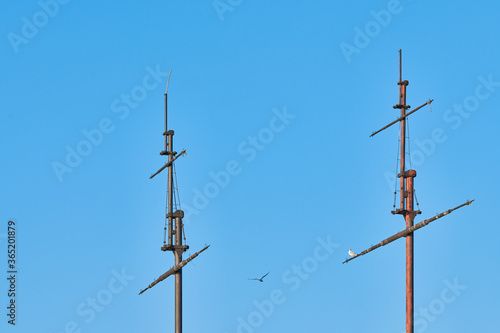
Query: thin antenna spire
point(166, 104)
point(168, 80)
point(400, 66)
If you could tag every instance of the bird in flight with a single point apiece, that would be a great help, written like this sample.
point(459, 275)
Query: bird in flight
point(352, 254)
point(260, 280)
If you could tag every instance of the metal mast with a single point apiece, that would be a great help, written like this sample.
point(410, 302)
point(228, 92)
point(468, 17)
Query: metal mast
point(406, 193)
point(173, 231)
point(406, 201)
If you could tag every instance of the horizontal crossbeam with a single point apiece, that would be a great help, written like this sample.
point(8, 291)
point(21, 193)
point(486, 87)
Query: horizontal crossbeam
point(174, 269)
point(167, 164)
point(402, 117)
point(408, 231)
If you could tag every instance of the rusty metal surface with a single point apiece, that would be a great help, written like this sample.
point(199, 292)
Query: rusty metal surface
point(402, 102)
point(409, 216)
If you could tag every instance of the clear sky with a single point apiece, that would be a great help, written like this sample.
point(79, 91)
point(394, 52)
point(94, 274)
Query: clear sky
point(274, 102)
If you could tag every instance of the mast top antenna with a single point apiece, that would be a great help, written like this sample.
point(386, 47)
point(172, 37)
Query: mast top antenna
point(400, 71)
point(168, 80)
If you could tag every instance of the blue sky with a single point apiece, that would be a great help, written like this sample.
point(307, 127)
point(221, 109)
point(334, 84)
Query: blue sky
point(274, 102)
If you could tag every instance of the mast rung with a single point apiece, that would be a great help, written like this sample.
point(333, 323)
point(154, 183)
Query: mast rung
point(404, 211)
point(402, 117)
point(177, 213)
point(164, 152)
point(170, 247)
point(407, 174)
point(399, 211)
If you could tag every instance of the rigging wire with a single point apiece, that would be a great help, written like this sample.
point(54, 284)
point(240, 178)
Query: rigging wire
point(409, 159)
point(166, 220)
point(178, 200)
point(178, 205)
point(397, 166)
point(408, 140)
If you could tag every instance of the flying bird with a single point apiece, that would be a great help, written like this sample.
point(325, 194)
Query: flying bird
point(352, 254)
point(260, 280)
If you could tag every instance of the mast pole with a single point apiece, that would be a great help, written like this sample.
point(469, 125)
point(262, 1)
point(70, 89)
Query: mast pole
point(174, 220)
point(406, 200)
